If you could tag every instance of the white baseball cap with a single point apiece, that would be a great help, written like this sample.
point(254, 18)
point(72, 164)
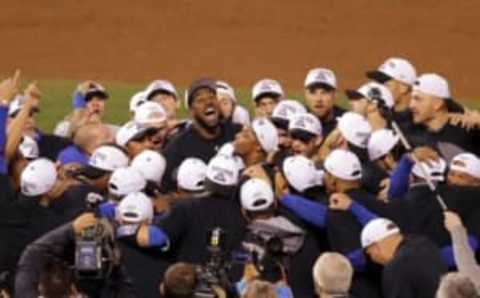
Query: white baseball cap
point(125, 181)
point(321, 76)
point(434, 169)
point(266, 86)
point(158, 86)
point(266, 133)
point(225, 88)
point(191, 174)
point(150, 113)
point(135, 208)
point(343, 164)
point(229, 150)
point(372, 91)
point(108, 158)
point(137, 100)
point(241, 115)
point(466, 163)
point(355, 129)
point(381, 142)
point(150, 164)
point(129, 131)
point(376, 230)
point(256, 195)
point(38, 177)
point(301, 173)
point(306, 122)
point(286, 109)
point(432, 84)
point(28, 148)
point(394, 68)
point(223, 170)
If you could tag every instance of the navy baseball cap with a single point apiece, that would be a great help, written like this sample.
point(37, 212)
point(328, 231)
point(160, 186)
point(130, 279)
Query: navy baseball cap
point(203, 83)
point(95, 90)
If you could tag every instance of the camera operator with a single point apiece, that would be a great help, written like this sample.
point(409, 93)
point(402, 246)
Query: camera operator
point(97, 268)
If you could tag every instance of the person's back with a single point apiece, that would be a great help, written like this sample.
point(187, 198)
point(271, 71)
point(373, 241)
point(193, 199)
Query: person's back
point(188, 222)
point(414, 271)
point(144, 266)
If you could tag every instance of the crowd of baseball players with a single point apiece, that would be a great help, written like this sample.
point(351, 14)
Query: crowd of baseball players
point(377, 200)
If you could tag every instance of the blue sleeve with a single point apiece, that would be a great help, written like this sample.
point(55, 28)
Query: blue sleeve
point(107, 210)
point(448, 255)
point(400, 178)
point(78, 101)
point(357, 259)
point(3, 138)
point(312, 212)
point(157, 238)
point(362, 214)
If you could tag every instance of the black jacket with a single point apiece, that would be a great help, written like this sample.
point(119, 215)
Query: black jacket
point(145, 267)
point(415, 270)
point(188, 222)
point(60, 244)
point(189, 143)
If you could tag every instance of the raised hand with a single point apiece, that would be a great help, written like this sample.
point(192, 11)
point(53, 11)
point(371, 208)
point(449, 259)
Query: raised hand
point(9, 87)
point(339, 201)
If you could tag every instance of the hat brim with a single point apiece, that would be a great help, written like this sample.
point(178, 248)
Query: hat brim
point(320, 85)
point(91, 172)
point(97, 93)
point(274, 95)
point(280, 123)
point(453, 106)
point(378, 76)
point(155, 92)
point(353, 94)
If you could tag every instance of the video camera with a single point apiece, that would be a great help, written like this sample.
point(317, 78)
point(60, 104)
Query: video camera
point(214, 271)
point(95, 251)
point(267, 254)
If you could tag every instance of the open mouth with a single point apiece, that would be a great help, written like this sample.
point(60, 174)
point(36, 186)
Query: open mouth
point(211, 113)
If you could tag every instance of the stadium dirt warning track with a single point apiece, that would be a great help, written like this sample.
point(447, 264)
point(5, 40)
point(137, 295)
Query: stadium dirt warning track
point(240, 41)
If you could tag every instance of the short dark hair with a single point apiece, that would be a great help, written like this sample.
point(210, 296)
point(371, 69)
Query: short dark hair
point(179, 281)
point(56, 280)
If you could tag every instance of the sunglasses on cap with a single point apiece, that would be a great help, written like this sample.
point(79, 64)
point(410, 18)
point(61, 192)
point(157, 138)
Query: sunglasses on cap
point(145, 135)
point(301, 135)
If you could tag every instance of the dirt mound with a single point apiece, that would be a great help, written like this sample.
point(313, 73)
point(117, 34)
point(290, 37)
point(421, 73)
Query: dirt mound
point(238, 40)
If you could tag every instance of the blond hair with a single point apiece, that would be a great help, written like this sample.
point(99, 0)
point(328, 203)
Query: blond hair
point(332, 273)
point(260, 289)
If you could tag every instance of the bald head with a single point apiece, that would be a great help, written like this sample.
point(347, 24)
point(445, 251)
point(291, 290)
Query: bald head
point(90, 136)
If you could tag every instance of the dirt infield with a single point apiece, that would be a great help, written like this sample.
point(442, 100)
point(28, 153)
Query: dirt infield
point(239, 40)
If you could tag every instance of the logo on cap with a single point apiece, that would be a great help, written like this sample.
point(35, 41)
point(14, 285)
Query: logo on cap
point(28, 187)
point(99, 157)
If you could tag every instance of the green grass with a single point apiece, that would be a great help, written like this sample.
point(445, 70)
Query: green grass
point(56, 101)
